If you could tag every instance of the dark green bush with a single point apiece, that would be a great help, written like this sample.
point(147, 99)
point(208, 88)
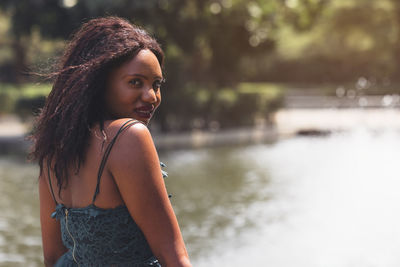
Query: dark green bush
point(6, 103)
point(26, 107)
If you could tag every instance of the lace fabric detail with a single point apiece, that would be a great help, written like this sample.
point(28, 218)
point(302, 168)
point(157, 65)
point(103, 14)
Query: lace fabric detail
point(103, 237)
point(67, 261)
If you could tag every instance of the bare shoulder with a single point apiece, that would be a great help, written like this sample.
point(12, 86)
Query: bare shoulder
point(114, 125)
point(135, 131)
point(133, 146)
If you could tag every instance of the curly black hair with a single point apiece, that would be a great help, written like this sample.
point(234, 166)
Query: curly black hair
point(75, 102)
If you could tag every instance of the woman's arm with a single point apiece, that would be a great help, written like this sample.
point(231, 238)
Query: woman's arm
point(135, 167)
point(53, 247)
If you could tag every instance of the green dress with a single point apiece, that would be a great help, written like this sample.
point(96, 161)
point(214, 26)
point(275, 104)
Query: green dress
point(102, 237)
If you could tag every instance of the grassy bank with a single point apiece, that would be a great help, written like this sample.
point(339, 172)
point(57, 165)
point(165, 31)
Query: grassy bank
point(25, 99)
point(22, 99)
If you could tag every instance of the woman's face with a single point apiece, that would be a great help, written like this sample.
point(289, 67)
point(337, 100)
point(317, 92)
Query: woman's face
point(133, 88)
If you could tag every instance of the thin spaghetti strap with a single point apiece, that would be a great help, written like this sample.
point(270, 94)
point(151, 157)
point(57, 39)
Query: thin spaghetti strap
point(107, 152)
point(51, 186)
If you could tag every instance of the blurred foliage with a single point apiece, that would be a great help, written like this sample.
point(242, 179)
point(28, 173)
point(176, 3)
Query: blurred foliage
point(226, 107)
point(25, 107)
point(352, 39)
point(23, 100)
point(213, 46)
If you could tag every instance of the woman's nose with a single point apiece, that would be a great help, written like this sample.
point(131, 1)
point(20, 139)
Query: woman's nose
point(149, 95)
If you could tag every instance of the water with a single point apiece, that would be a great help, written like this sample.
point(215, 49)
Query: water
point(312, 202)
point(20, 241)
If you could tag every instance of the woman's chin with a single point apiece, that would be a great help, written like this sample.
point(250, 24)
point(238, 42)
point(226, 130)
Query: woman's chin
point(141, 119)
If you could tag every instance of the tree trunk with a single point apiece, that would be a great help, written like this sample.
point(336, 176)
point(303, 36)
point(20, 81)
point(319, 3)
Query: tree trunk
point(396, 10)
point(20, 66)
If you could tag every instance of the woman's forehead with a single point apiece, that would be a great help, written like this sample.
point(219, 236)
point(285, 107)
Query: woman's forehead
point(145, 63)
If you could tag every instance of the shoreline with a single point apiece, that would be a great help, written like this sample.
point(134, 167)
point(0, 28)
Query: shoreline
point(13, 137)
point(18, 144)
point(287, 123)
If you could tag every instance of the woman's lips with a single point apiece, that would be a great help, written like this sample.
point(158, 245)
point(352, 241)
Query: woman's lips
point(144, 112)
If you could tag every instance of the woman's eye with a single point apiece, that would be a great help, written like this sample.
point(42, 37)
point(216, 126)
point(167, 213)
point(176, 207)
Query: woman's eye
point(136, 82)
point(156, 85)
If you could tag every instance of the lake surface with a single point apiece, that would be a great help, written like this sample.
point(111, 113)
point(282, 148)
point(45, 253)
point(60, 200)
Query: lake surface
point(312, 202)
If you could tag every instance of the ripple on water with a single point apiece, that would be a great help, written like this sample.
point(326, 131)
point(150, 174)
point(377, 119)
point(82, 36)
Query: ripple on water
point(308, 202)
point(337, 198)
point(9, 258)
point(20, 237)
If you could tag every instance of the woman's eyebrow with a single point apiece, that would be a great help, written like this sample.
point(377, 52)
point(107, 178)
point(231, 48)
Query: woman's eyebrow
point(144, 76)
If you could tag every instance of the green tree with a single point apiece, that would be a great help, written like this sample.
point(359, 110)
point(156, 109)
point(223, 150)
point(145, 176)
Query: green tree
point(211, 43)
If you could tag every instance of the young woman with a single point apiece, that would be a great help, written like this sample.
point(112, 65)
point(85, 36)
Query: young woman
point(103, 200)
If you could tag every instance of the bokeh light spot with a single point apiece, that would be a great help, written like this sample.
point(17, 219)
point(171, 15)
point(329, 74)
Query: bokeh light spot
point(69, 3)
point(215, 8)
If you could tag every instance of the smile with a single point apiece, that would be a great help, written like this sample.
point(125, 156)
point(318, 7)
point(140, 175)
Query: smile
point(144, 112)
